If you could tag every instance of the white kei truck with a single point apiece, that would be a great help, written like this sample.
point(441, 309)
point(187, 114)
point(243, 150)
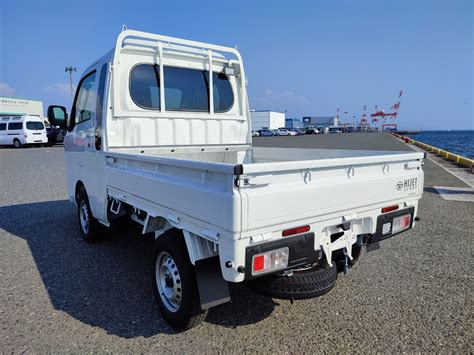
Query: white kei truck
point(160, 133)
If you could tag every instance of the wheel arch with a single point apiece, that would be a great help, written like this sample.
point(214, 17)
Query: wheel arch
point(198, 247)
point(79, 185)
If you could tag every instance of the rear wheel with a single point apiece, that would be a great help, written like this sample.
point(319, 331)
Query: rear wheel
point(174, 282)
point(16, 143)
point(89, 226)
point(304, 283)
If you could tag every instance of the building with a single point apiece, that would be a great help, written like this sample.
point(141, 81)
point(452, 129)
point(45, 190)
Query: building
point(293, 123)
point(267, 120)
point(327, 121)
point(13, 106)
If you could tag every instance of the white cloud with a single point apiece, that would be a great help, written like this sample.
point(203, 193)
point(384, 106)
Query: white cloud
point(61, 88)
point(7, 90)
point(278, 100)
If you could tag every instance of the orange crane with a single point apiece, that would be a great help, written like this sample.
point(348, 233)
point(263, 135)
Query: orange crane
point(384, 115)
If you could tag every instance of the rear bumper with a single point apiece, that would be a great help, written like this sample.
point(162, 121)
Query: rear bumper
point(36, 140)
point(325, 241)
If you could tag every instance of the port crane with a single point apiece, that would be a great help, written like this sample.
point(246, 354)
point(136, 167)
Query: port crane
point(384, 115)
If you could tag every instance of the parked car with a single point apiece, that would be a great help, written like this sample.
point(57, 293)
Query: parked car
point(255, 134)
point(291, 131)
point(282, 220)
point(312, 130)
point(267, 133)
point(282, 132)
point(335, 130)
point(297, 131)
point(22, 131)
point(55, 135)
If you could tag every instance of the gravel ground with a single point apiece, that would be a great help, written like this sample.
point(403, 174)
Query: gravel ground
point(60, 294)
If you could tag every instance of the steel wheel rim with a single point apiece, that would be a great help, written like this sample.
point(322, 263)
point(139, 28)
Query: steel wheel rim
point(16, 144)
point(168, 281)
point(84, 217)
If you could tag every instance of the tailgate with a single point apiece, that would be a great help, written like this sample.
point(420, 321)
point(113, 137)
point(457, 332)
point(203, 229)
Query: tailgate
point(280, 196)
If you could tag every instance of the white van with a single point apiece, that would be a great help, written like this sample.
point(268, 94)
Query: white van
point(22, 131)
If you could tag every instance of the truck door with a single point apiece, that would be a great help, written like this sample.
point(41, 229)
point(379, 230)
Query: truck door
point(81, 153)
point(95, 148)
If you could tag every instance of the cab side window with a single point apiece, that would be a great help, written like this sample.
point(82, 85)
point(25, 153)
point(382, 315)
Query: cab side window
point(86, 99)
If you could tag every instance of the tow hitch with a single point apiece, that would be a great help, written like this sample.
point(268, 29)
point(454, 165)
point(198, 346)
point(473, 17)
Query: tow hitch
point(345, 242)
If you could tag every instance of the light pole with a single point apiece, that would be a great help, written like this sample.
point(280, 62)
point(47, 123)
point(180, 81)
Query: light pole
point(70, 70)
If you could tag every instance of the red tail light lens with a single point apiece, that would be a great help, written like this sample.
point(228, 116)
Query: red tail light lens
point(401, 223)
point(270, 261)
point(406, 221)
point(258, 263)
point(390, 208)
point(297, 230)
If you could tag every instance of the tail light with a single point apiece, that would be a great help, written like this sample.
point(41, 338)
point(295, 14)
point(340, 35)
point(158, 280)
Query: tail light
point(270, 261)
point(401, 223)
point(390, 208)
point(297, 230)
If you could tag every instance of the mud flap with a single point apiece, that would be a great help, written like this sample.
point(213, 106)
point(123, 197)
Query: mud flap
point(213, 289)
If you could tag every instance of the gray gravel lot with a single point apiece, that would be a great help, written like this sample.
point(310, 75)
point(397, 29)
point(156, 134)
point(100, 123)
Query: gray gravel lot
point(59, 293)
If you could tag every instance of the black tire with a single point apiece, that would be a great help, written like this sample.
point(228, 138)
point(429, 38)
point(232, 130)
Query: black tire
point(189, 313)
point(88, 225)
point(16, 143)
point(303, 284)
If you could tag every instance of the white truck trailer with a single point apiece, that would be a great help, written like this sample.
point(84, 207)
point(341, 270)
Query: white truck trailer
point(160, 132)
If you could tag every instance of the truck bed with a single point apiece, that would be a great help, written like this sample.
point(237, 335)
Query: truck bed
point(260, 155)
point(277, 186)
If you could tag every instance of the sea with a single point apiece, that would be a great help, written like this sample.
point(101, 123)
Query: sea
point(457, 142)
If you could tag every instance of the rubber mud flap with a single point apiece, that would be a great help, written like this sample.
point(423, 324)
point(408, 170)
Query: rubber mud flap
point(301, 285)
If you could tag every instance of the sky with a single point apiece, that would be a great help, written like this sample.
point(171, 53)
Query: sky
point(308, 58)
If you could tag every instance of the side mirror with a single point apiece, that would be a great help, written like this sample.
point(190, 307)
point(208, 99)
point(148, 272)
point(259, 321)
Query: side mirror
point(57, 116)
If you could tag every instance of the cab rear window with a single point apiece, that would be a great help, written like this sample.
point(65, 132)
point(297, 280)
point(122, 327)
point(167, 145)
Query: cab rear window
point(185, 89)
point(34, 125)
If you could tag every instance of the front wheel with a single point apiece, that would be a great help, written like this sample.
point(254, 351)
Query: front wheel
point(89, 226)
point(174, 282)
